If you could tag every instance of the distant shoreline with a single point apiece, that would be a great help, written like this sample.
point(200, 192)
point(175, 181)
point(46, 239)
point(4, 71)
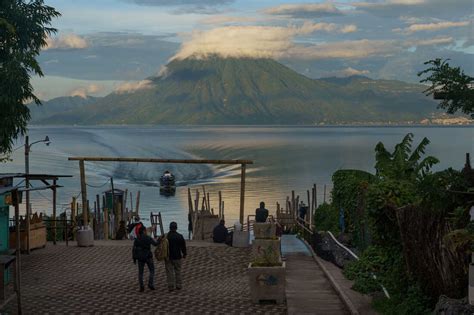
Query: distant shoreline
point(264, 126)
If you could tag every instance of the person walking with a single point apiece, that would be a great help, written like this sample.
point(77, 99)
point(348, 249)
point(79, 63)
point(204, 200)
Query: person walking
point(177, 252)
point(142, 254)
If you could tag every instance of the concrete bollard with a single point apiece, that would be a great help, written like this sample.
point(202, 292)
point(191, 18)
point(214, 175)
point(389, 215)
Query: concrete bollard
point(85, 237)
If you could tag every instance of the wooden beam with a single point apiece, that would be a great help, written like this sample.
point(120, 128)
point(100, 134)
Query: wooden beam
point(242, 194)
point(83, 191)
point(151, 160)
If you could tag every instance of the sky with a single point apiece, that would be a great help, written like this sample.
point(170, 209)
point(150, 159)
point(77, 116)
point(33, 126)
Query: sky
point(107, 45)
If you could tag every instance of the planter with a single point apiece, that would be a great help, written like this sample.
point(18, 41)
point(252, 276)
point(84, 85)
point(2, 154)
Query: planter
point(37, 237)
point(264, 230)
point(266, 250)
point(240, 239)
point(267, 283)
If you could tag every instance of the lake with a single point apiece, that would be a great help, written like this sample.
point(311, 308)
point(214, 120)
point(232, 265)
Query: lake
point(285, 159)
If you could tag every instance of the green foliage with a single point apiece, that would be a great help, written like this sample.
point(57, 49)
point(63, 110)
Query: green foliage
point(382, 198)
point(403, 177)
point(24, 28)
point(327, 218)
point(452, 84)
point(350, 187)
point(387, 265)
point(403, 163)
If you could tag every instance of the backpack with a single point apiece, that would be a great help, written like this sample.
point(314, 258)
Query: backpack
point(162, 251)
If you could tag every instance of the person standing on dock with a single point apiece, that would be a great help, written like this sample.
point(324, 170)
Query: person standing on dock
point(261, 214)
point(142, 254)
point(177, 252)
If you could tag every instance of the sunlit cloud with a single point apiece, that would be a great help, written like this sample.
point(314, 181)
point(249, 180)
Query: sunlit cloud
point(252, 41)
point(431, 27)
point(309, 10)
point(85, 91)
point(130, 87)
point(67, 41)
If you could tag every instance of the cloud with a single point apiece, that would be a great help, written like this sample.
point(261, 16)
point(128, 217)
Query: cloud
point(180, 2)
point(305, 11)
point(354, 49)
point(251, 41)
point(417, 8)
point(349, 71)
point(130, 87)
point(224, 19)
point(186, 6)
point(84, 91)
point(349, 29)
point(67, 41)
point(432, 41)
point(432, 26)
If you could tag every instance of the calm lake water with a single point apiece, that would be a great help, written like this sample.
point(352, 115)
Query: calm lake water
point(285, 159)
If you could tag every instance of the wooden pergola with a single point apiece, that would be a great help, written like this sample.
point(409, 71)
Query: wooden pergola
point(46, 180)
point(243, 165)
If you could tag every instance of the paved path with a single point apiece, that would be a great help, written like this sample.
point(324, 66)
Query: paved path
point(308, 291)
point(103, 280)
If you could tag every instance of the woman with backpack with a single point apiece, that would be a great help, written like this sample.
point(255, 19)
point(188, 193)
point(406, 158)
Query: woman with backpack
point(142, 254)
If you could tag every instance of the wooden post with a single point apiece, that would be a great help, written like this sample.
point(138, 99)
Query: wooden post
point(66, 235)
point(293, 203)
point(104, 205)
point(196, 202)
point(54, 212)
point(124, 204)
point(220, 204)
point(106, 224)
point(242, 194)
point(161, 224)
point(137, 206)
point(97, 200)
point(223, 215)
point(131, 202)
point(324, 196)
point(17, 251)
point(308, 215)
point(73, 215)
point(204, 197)
point(83, 191)
point(315, 197)
point(209, 203)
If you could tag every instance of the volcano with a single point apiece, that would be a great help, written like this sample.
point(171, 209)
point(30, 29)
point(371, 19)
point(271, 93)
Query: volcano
point(218, 90)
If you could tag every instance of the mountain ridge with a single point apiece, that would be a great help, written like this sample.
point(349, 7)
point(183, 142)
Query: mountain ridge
point(252, 91)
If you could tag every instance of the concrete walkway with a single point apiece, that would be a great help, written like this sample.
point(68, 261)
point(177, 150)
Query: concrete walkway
point(103, 280)
point(308, 291)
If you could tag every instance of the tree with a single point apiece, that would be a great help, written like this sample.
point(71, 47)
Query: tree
point(24, 28)
point(404, 163)
point(451, 85)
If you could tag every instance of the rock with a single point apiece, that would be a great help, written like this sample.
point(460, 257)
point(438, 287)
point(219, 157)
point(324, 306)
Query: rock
point(447, 306)
point(329, 250)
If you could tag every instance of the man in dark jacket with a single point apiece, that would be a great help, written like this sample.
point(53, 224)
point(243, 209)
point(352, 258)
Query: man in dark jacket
point(220, 233)
point(177, 252)
point(261, 214)
point(142, 253)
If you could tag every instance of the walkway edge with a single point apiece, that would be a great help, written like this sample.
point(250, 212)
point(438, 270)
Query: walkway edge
point(333, 282)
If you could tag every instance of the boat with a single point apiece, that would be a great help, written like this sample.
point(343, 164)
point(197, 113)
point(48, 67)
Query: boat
point(167, 183)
